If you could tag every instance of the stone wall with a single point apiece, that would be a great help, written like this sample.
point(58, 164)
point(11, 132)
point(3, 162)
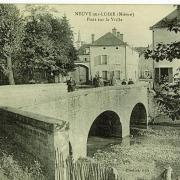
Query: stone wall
point(37, 134)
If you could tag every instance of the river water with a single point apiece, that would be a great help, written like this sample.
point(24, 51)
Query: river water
point(144, 155)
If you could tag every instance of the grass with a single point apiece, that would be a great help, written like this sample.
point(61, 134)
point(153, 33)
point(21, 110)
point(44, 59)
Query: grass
point(16, 164)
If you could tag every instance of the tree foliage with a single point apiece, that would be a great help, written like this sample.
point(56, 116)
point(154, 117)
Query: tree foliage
point(11, 33)
point(38, 42)
point(47, 45)
point(162, 52)
point(168, 95)
point(168, 100)
point(168, 51)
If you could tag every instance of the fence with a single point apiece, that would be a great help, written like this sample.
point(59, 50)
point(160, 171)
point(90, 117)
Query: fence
point(85, 169)
point(82, 169)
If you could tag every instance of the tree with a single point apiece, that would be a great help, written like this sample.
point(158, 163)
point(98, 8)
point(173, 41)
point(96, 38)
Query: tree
point(47, 45)
point(62, 36)
point(168, 95)
point(37, 47)
point(11, 32)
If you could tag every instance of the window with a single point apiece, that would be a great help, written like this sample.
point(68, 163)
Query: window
point(104, 75)
point(164, 75)
point(87, 51)
point(85, 59)
point(99, 60)
point(104, 59)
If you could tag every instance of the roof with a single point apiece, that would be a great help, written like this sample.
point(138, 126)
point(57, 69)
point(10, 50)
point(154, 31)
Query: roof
point(108, 39)
point(81, 50)
point(163, 22)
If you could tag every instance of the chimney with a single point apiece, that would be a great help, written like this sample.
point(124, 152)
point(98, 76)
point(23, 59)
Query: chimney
point(121, 37)
point(114, 31)
point(178, 13)
point(92, 38)
point(118, 34)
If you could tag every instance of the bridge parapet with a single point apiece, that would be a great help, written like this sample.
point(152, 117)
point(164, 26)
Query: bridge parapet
point(108, 88)
point(37, 134)
point(30, 94)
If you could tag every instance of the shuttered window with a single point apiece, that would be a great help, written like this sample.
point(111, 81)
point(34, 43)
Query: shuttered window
point(101, 59)
point(104, 59)
point(97, 60)
point(104, 75)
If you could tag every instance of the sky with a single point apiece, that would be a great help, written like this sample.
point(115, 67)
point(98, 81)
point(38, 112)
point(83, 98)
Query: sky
point(135, 27)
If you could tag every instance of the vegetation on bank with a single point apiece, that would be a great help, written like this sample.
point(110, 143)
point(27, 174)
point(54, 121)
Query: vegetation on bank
point(146, 155)
point(16, 164)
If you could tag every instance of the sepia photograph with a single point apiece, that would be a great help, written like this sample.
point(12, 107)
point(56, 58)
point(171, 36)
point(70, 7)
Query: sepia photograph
point(89, 91)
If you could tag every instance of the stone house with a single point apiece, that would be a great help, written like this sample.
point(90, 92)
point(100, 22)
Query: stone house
point(109, 57)
point(161, 34)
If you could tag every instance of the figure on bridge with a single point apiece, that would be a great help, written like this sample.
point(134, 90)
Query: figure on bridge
point(71, 84)
point(96, 81)
point(123, 82)
point(130, 81)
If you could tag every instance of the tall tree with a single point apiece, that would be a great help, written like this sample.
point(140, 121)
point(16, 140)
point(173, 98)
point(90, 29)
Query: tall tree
point(11, 32)
point(48, 44)
point(62, 37)
point(37, 47)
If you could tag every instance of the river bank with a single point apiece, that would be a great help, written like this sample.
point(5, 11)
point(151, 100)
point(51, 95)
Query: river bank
point(146, 154)
point(16, 164)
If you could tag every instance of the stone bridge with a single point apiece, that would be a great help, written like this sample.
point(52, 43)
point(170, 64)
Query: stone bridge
point(104, 111)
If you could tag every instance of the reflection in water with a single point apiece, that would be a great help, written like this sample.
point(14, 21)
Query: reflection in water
point(97, 143)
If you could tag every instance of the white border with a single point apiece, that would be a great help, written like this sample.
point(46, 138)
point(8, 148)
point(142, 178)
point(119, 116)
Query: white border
point(92, 1)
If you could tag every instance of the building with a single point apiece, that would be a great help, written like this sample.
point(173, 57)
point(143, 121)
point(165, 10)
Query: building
point(108, 57)
point(82, 70)
point(161, 34)
point(145, 66)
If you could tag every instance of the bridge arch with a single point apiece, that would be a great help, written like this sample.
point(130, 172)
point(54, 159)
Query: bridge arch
point(106, 125)
point(138, 117)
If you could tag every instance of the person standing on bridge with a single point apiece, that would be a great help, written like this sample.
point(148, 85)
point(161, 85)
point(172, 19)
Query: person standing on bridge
point(71, 85)
point(130, 81)
point(123, 82)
